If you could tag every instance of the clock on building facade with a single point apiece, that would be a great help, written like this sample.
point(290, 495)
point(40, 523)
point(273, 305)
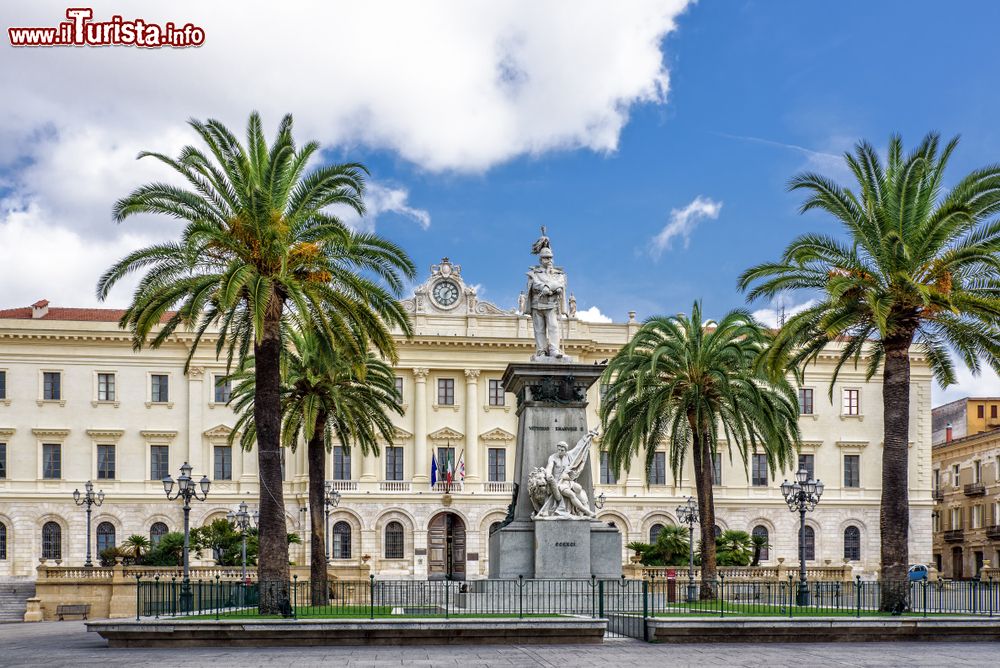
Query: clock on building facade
point(445, 293)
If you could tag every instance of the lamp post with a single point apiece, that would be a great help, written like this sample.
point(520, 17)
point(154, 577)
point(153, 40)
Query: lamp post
point(88, 499)
point(600, 501)
point(186, 490)
point(242, 519)
point(688, 514)
point(801, 497)
point(331, 499)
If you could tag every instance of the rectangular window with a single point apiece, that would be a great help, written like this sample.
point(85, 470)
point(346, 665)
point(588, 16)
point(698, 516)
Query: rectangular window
point(993, 411)
point(159, 462)
point(394, 463)
point(852, 402)
point(223, 389)
point(3, 384)
point(977, 471)
point(105, 462)
point(496, 393)
point(657, 473)
point(981, 411)
point(808, 462)
point(341, 463)
point(51, 386)
point(446, 391)
point(608, 476)
point(445, 455)
point(223, 462)
point(937, 480)
point(956, 518)
point(3, 461)
point(51, 461)
point(852, 470)
point(497, 464)
point(977, 517)
point(399, 389)
point(935, 523)
point(805, 401)
point(759, 470)
point(955, 475)
point(105, 387)
point(716, 468)
point(159, 388)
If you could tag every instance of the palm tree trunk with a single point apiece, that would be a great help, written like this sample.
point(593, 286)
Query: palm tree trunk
point(317, 475)
point(706, 509)
point(272, 564)
point(894, 518)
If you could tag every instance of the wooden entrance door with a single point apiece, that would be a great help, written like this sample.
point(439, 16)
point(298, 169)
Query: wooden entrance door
point(446, 547)
point(956, 563)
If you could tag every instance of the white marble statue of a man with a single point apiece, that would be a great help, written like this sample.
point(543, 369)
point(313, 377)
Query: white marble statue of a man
point(566, 497)
point(546, 295)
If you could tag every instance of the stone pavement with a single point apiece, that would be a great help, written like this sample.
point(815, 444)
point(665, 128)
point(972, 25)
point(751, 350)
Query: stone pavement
point(68, 644)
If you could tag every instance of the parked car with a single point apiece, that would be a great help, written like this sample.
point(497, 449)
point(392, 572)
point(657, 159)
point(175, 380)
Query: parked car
point(917, 573)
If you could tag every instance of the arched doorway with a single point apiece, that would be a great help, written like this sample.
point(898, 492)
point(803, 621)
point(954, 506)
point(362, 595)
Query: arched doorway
point(446, 547)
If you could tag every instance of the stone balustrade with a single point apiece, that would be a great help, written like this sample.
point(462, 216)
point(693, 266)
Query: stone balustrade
point(778, 573)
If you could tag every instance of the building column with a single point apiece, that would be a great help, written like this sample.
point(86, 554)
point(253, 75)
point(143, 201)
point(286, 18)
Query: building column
point(196, 395)
point(368, 462)
point(472, 425)
point(421, 462)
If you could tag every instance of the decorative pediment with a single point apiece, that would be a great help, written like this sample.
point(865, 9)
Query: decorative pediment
point(106, 434)
point(445, 434)
point(401, 434)
point(218, 431)
point(857, 445)
point(158, 434)
point(497, 434)
point(50, 433)
point(7, 432)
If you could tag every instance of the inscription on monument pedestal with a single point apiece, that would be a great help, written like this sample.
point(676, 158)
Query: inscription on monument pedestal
point(562, 549)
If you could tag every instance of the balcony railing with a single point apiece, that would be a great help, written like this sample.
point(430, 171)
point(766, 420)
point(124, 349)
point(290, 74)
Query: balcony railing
point(975, 489)
point(498, 487)
point(394, 486)
point(954, 535)
point(993, 532)
point(446, 488)
point(344, 485)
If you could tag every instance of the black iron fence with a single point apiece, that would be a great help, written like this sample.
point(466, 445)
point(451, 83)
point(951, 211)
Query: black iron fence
point(624, 602)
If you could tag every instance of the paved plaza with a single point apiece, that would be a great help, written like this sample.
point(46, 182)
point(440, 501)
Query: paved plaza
point(68, 644)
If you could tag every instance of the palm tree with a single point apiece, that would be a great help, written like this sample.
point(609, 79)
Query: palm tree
point(734, 548)
point(324, 395)
point(918, 267)
point(692, 384)
point(135, 547)
point(260, 251)
point(759, 543)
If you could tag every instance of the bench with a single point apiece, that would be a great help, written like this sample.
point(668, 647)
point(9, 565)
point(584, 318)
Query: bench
point(73, 609)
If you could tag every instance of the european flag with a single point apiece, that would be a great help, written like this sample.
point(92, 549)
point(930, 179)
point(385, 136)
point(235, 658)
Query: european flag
point(434, 470)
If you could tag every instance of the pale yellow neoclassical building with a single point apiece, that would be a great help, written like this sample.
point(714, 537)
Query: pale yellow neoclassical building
point(77, 404)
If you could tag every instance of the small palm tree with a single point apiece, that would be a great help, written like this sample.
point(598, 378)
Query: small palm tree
point(734, 548)
point(261, 250)
point(920, 266)
point(325, 395)
point(691, 384)
point(135, 547)
point(759, 543)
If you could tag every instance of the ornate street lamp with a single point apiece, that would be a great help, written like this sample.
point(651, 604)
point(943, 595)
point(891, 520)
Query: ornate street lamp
point(600, 501)
point(242, 520)
point(801, 497)
point(186, 490)
point(688, 514)
point(88, 499)
point(331, 499)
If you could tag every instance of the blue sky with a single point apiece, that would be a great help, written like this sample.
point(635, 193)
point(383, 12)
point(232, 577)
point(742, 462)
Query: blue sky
point(605, 124)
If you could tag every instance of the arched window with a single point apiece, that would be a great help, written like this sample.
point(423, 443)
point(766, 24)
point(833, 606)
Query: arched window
point(3, 541)
point(105, 536)
point(52, 541)
point(852, 543)
point(393, 540)
point(341, 541)
point(156, 533)
point(718, 531)
point(765, 551)
point(810, 544)
point(654, 532)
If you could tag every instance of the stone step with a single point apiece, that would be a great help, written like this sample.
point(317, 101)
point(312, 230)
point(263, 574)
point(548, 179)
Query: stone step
point(14, 595)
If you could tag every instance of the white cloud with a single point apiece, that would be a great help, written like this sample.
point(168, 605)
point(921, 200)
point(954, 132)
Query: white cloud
point(770, 316)
point(592, 314)
point(462, 87)
point(683, 221)
point(986, 384)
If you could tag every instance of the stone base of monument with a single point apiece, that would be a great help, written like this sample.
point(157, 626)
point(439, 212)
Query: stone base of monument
point(556, 549)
